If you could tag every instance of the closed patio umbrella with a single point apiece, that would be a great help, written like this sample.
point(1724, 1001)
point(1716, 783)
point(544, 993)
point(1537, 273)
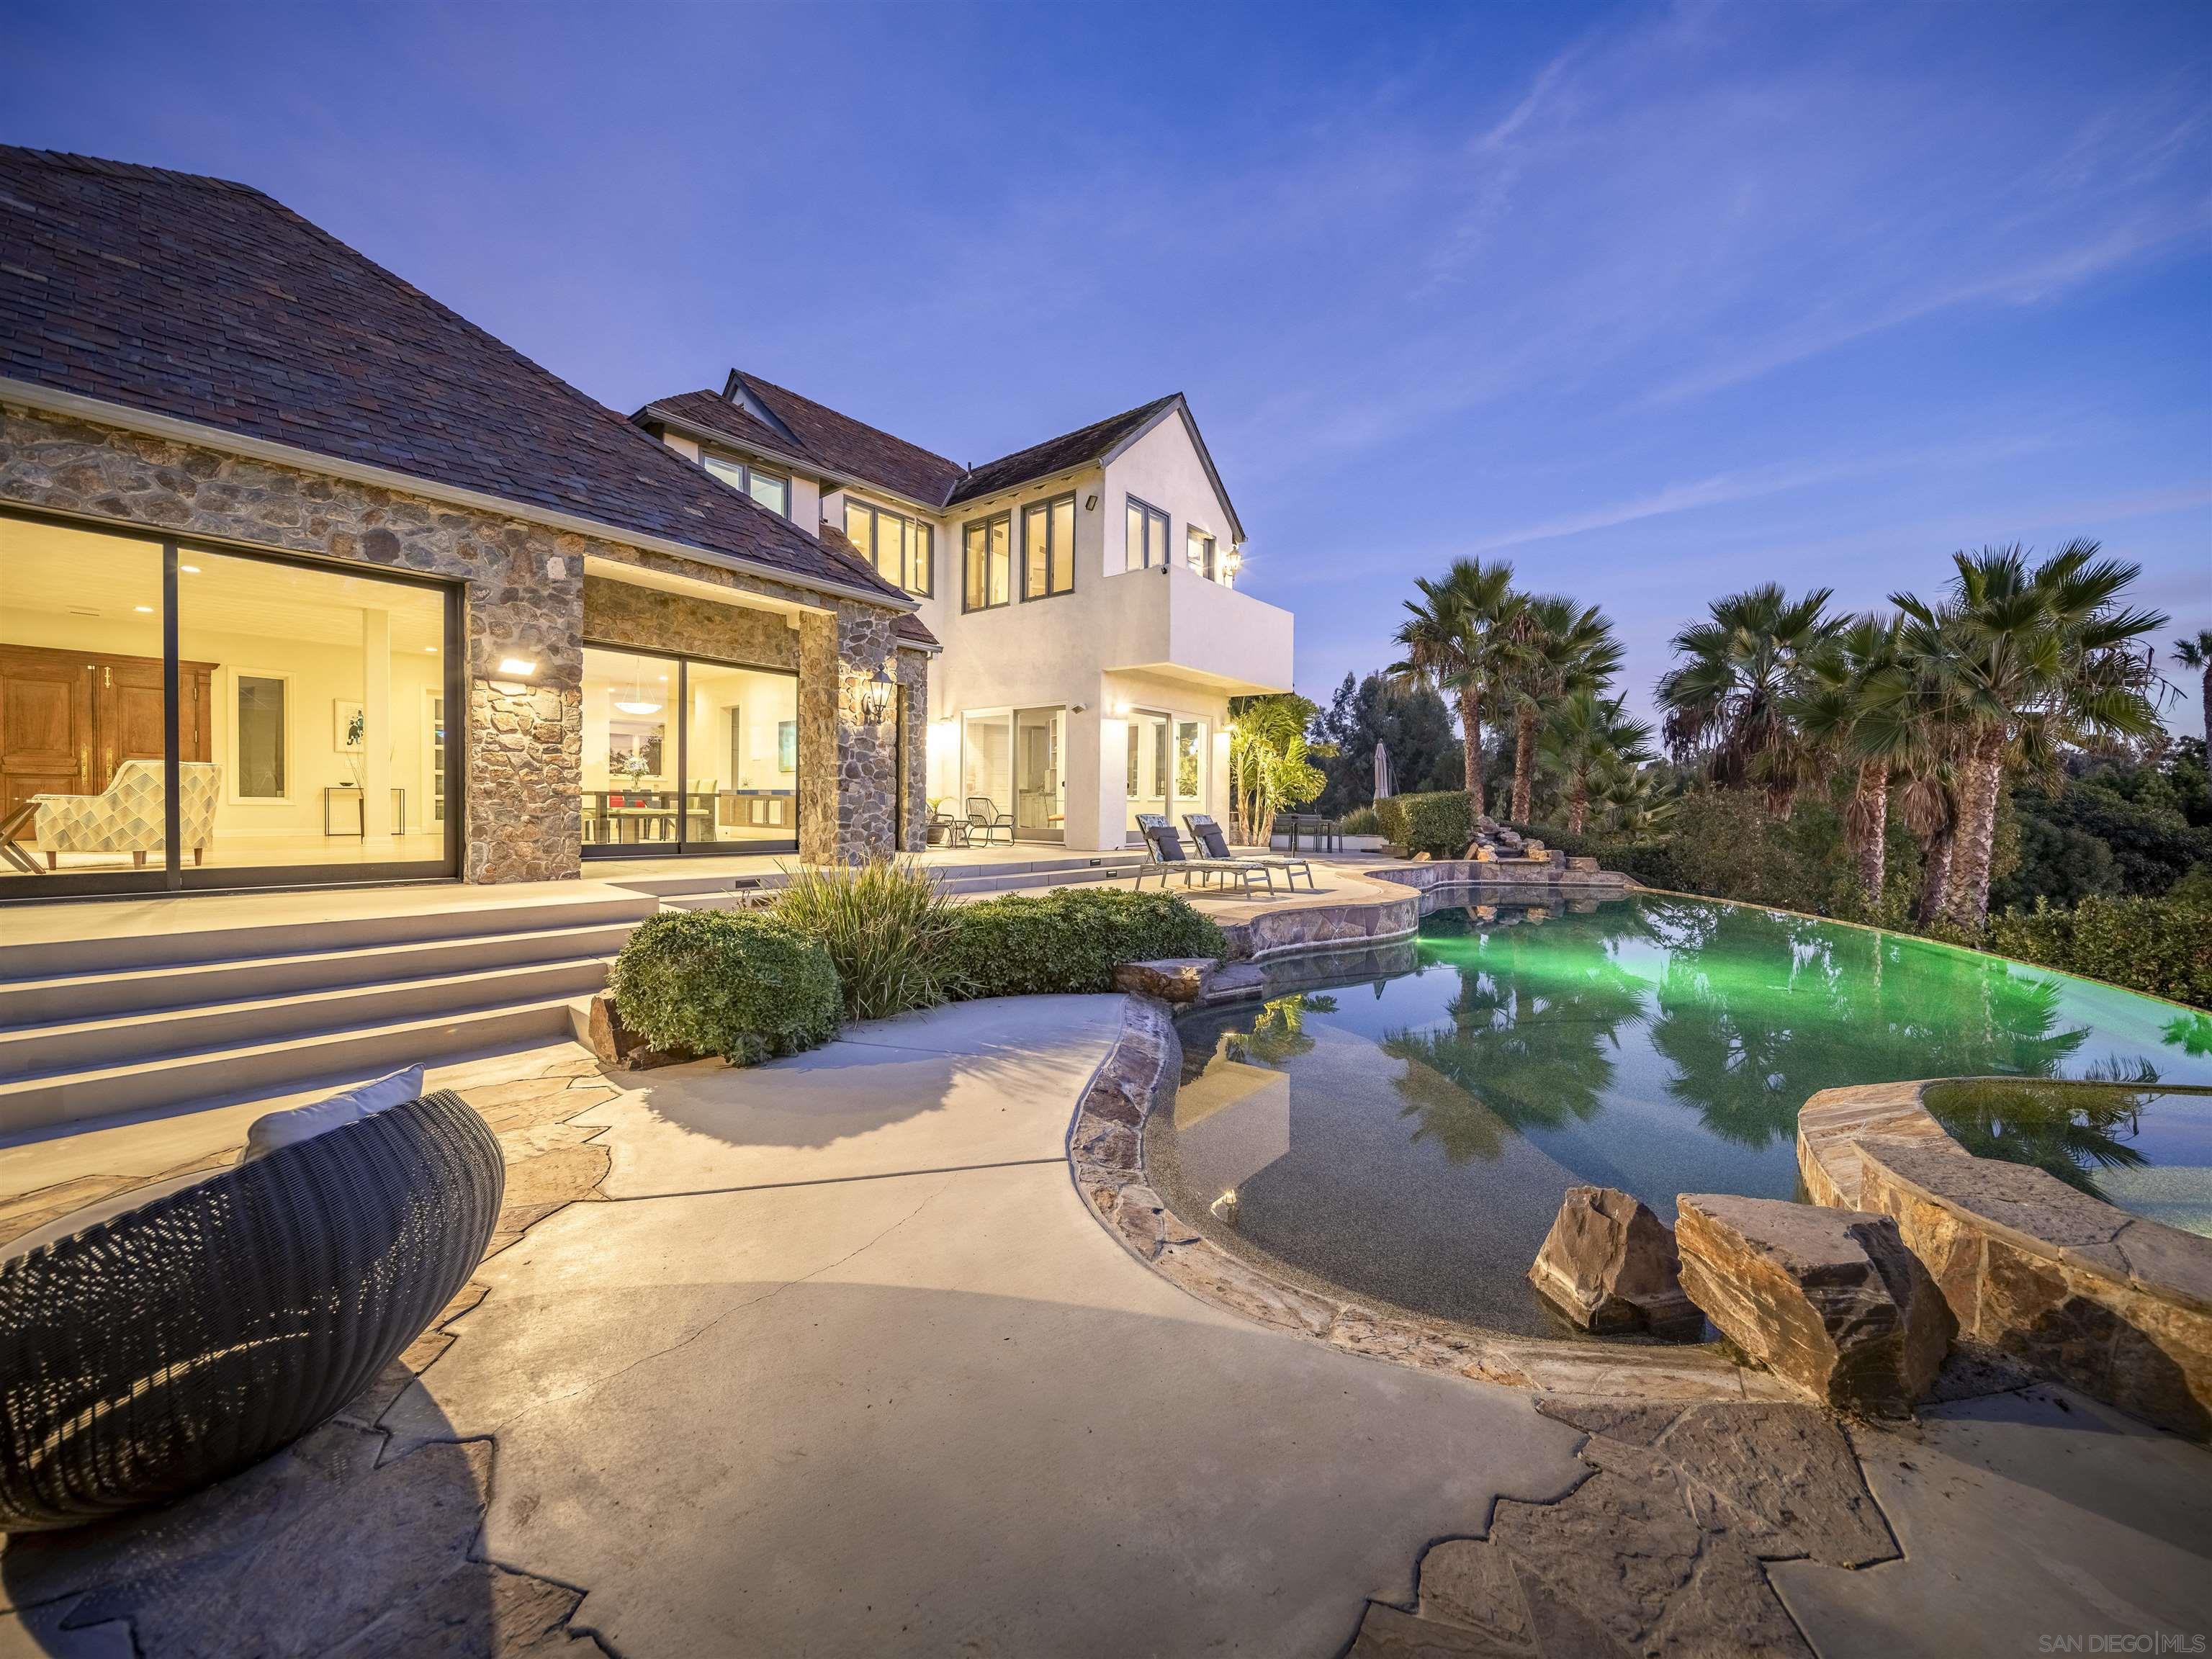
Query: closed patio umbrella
point(1381, 772)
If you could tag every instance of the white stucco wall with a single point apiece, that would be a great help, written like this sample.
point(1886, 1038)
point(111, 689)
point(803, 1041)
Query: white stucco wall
point(1162, 468)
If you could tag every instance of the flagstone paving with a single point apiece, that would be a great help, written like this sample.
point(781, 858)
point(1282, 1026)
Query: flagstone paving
point(831, 1356)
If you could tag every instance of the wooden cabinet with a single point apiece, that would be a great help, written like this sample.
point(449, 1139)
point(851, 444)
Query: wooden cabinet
point(67, 718)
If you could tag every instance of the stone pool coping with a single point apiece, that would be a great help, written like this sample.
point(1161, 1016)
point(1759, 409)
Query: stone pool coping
point(1348, 923)
point(1106, 1159)
point(2117, 1304)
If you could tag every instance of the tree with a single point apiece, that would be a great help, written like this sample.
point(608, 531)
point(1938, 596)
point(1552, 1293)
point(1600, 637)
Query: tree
point(1450, 642)
point(1414, 724)
point(1588, 741)
point(1270, 760)
point(2198, 653)
point(1551, 648)
point(1727, 704)
point(2026, 660)
point(1845, 680)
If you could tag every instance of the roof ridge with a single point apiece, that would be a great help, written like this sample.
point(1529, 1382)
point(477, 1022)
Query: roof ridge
point(102, 166)
point(881, 432)
point(1130, 413)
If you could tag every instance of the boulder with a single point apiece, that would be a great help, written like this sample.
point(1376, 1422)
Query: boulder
point(1830, 1301)
point(1609, 1265)
point(1587, 867)
point(614, 1043)
point(1171, 979)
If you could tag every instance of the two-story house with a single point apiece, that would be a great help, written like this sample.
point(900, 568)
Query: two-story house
point(1083, 592)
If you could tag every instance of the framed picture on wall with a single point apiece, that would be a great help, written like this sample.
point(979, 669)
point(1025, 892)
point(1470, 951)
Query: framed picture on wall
point(787, 745)
point(348, 726)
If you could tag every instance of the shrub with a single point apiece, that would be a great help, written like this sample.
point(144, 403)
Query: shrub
point(1650, 862)
point(743, 985)
point(1070, 940)
point(1390, 819)
point(885, 925)
point(2154, 945)
point(1439, 824)
point(1362, 821)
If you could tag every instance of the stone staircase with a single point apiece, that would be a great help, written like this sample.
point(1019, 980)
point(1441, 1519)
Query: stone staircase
point(134, 1023)
point(148, 1022)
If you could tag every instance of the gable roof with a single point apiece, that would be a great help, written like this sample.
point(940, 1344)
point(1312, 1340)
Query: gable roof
point(1078, 448)
point(209, 302)
point(850, 451)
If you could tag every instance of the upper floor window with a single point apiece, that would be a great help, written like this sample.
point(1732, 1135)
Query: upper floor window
point(1148, 534)
point(1199, 548)
point(903, 549)
point(987, 556)
point(1048, 547)
point(771, 489)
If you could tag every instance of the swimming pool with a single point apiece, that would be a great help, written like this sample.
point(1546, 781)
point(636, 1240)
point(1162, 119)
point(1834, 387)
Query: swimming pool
point(1402, 1125)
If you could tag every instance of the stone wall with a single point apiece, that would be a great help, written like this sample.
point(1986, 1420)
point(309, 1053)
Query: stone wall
point(914, 730)
point(650, 619)
point(525, 596)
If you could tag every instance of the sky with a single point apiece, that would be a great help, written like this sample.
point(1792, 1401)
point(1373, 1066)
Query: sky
point(1655, 302)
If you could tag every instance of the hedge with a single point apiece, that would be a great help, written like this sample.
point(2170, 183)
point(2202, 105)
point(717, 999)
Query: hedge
point(1070, 940)
point(1439, 824)
point(739, 984)
point(2163, 946)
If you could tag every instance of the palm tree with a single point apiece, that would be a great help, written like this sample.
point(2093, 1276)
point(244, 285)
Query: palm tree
point(1450, 644)
point(1845, 680)
point(1588, 741)
point(2026, 660)
point(1552, 648)
point(1726, 704)
point(2198, 653)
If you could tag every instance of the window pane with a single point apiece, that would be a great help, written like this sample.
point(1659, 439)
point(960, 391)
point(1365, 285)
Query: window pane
point(894, 547)
point(974, 541)
point(1137, 557)
point(860, 530)
point(730, 472)
point(1063, 545)
point(629, 748)
point(1199, 550)
point(82, 703)
point(741, 730)
point(922, 579)
point(327, 684)
point(260, 738)
point(1002, 559)
point(771, 492)
point(1035, 550)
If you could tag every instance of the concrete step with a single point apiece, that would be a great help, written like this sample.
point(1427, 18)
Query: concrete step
point(960, 886)
point(83, 997)
point(680, 883)
point(35, 1051)
point(221, 1076)
point(160, 934)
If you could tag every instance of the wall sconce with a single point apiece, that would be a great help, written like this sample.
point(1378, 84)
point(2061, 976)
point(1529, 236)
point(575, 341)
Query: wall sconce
point(876, 696)
point(518, 667)
point(1090, 502)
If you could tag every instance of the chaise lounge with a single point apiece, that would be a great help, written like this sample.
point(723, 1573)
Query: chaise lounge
point(1215, 846)
point(1169, 857)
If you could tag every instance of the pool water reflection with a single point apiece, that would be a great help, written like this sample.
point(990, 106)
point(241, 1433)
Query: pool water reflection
point(1403, 1125)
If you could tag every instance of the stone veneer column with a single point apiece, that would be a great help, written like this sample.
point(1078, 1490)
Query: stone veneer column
point(847, 772)
point(914, 682)
point(525, 736)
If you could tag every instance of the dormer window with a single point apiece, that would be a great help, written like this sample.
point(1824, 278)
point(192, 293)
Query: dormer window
point(903, 549)
point(771, 489)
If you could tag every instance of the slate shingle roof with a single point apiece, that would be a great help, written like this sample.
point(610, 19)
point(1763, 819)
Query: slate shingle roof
point(854, 447)
point(1070, 449)
point(209, 301)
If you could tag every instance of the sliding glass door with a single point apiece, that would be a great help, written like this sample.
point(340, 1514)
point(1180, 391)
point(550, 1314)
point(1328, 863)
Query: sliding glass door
point(1166, 769)
point(176, 715)
point(1013, 765)
point(682, 755)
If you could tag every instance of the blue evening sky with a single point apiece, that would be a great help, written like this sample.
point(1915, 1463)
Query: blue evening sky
point(1654, 301)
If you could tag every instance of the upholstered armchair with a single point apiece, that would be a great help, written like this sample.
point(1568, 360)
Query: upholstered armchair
point(127, 815)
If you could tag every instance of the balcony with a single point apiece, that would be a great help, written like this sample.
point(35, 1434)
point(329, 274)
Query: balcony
point(1172, 622)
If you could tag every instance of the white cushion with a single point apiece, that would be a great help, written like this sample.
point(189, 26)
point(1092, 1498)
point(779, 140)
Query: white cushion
point(300, 1123)
point(105, 1209)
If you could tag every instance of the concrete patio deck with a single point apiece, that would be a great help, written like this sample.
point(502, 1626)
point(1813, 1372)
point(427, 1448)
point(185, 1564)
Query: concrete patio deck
point(828, 1358)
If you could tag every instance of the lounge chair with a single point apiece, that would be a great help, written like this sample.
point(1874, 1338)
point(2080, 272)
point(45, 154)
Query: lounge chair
point(1206, 833)
point(1168, 857)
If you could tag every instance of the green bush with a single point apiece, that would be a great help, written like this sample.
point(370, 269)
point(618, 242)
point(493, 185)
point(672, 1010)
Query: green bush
point(1651, 862)
point(1362, 821)
point(2154, 945)
point(743, 985)
point(885, 925)
point(1070, 940)
point(1439, 824)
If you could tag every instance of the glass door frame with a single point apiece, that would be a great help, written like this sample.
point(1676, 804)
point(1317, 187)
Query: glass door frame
point(176, 876)
point(1009, 720)
point(683, 846)
point(1173, 803)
